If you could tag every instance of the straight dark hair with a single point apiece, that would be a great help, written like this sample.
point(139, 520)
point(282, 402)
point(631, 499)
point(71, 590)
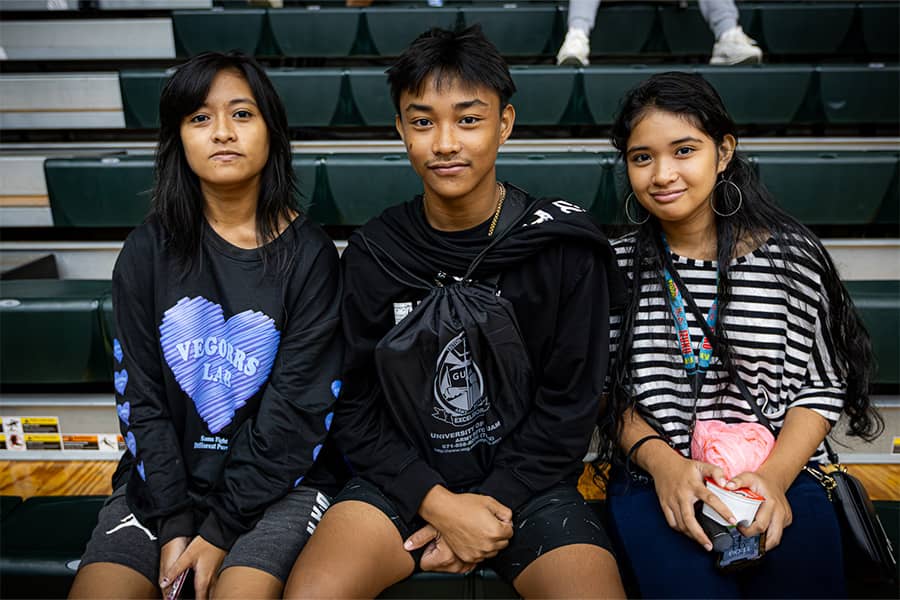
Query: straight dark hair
point(466, 56)
point(177, 199)
point(691, 97)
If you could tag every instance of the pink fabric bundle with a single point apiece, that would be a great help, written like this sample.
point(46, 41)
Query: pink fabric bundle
point(735, 448)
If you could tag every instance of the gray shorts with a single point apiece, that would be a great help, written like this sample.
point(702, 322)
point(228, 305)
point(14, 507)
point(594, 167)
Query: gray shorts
point(271, 546)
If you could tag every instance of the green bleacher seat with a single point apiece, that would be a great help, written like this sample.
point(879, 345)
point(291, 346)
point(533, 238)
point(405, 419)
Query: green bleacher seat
point(805, 28)
point(542, 93)
point(861, 94)
point(52, 333)
point(393, 28)
point(372, 97)
point(881, 27)
point(325, 32)
point(829, 188)
point(878, 303)
point(761, 94)
point(573, 177)
point(115, 191)
point(198, 31)
point(8, 504)
point(517, 30)
point(604, 87)
point(621, 29)
point(363, 185)
point(42, 542)
point(112, 191)
point(140, 97)
point(686, 32)
point(310, 96)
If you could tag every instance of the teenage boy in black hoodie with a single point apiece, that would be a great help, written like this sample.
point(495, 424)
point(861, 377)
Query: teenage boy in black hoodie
point(447, 480)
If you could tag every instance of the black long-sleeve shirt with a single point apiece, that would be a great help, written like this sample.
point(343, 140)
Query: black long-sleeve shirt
point(224, 377)
point(557, 277)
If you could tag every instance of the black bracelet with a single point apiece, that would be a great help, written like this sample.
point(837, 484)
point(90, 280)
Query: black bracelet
point(640, 443)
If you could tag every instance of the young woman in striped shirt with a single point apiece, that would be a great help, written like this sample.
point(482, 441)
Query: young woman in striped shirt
point(781, 322)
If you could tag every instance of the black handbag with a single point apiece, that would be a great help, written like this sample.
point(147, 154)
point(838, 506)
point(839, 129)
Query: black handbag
point(869, 555)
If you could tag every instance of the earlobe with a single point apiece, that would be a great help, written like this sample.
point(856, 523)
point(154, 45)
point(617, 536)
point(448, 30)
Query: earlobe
point(507, 120)
point(726, 152)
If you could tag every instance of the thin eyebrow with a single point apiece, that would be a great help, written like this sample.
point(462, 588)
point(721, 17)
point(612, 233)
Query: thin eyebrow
point(241, 101)
point(458, 106)
point(469, 104)
point(418, 107)
point(673, 143)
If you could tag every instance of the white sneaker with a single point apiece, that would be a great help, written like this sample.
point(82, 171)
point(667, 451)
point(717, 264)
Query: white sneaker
point(575, 49)
point(734, 47)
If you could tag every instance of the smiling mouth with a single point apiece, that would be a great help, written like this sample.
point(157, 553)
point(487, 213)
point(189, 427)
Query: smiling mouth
point(448, 168)
point(667, 196)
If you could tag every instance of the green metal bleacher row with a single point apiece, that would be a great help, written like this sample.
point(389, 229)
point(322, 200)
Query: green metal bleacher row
point(519, 29)
point(60, 331)
point(45, 536)
point(755, 95)
point(766, 96)
point(851, 188)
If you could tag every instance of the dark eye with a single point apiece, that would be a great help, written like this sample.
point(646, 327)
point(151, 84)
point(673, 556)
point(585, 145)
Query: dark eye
point(640, 158)
point(469, 120)
point(199, 118)
point(684, 151)
point(243, 114)
point(423, 122)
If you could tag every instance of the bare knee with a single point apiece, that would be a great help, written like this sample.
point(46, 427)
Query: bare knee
point(356, 552)
point(111, 580)
point(574, 571)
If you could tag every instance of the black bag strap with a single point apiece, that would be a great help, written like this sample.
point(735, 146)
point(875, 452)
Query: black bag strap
point(511, 214)
point(742, 387)
point(414, 282)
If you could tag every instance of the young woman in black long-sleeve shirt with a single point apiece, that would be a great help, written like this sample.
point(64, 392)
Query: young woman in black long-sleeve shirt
point(226, 359)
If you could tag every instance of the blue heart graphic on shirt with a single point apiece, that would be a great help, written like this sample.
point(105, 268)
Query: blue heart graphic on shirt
point(328, 419)
point(131, 443)
point(140, 470)
point(220, 364)
point(117, 350)
point(124, 411)
point(336, 388)
point(121, 381)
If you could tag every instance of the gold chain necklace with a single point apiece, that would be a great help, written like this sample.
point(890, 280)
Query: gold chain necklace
point(499, 207)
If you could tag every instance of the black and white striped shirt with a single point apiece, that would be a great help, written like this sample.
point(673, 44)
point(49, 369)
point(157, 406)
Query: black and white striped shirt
point(774, 323)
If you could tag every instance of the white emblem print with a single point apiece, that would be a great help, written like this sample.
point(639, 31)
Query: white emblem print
point(131, 521)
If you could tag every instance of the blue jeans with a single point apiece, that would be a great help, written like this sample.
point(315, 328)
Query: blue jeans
point(808, 563)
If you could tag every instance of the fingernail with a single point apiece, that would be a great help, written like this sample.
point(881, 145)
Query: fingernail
point(732, 520)
point(731, 485)
point(408, 544)
point(708, 547)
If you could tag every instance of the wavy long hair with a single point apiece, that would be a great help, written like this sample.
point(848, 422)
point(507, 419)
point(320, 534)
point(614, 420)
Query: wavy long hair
point(691, 97)
point(177, 198)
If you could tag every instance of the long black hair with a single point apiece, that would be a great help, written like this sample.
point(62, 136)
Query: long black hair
point(177, 199)
point(758, 219)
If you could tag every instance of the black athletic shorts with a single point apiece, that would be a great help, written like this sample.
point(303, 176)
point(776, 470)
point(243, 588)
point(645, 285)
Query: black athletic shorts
point(554, 518)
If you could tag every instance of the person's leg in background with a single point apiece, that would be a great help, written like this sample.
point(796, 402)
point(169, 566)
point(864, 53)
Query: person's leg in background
point(576, 48)
point(733, 46)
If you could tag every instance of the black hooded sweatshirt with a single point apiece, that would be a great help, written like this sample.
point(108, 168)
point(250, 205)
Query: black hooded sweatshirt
point(557, 270)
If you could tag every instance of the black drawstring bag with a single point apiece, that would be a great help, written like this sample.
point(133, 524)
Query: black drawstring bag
point(458, 356)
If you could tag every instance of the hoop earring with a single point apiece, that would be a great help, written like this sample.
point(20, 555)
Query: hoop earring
point(712, 198)
point(628, 213)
